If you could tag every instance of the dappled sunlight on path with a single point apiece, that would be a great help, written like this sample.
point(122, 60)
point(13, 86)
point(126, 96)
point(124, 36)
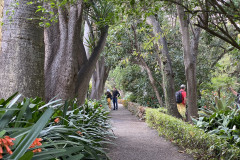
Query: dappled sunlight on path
point(136, 141)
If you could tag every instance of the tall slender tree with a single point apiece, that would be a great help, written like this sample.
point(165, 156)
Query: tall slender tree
point(101, 71)
point(99, 78)
point(166, 67)
point(139, 60)
point(190, 60)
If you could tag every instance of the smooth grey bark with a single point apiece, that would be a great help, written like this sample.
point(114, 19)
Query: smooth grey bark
point(63, 53)
point(99, 78)
point(190, 60)
point(166, 68)
point(87, 69)
point(101, 71)
point(22, 52)
point(141, 61)
point(67, 68)
point(1, 19)
point(86, 38)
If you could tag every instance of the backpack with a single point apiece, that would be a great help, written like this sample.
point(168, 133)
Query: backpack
point(238, 99)
point(178, 96)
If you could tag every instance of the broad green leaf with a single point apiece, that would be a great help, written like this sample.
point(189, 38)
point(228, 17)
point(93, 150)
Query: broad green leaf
point(50, 103)
point(50, 154)
point(1, 101)
point(91, 152)
point(2, 133)
point(76, 157)
point(27, 156)
point(9, 99)
point(32, 135)
point(13, 101)
point(7, 117)
point(32, 105)
point(65, 112)
point(80, 138)
point(44, 145)
point(28, 113)
point(10, 109)
point(57, 153)
point(20, 114)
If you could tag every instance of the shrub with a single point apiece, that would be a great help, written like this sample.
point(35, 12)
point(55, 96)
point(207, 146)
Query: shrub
point(66, 131)
point(163, 110)
point(136, 109)
point(202, 145)
point(130, 97)
point(133, 107)
point(224, 123)
point(121, 101)
point(125, 103)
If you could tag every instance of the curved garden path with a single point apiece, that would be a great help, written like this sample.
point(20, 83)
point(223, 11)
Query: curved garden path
point(136, 141)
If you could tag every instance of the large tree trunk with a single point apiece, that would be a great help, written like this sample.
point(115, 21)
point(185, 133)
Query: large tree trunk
point(99, 79)
point(142, 62)
point(166, 68)
point(67, 69)
point(190, 60)
point(87, 69)
point(63, 53)
point(22, 53)
point(1, 19)
point(101, 72)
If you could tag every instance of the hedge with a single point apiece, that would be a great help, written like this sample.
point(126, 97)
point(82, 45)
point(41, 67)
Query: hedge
point(135, 109)
point(194, 140)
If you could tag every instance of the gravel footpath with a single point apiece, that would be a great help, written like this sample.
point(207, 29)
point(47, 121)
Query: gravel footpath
point(136, 141)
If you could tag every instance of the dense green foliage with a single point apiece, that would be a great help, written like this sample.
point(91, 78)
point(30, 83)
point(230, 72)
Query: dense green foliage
point(221, 119)
point(68, 131)
point(82, 130)
point(217, 64)
point(201, 145)
point(134, 82)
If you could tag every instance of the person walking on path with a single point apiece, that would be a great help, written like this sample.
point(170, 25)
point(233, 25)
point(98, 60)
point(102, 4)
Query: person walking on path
point(136, 141)
point(238, 96)
point(181, 98)
point(115, 94)
point(109, 98)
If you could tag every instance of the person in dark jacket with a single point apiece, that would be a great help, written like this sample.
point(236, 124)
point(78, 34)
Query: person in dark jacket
point(115, 95)
point(109, 98)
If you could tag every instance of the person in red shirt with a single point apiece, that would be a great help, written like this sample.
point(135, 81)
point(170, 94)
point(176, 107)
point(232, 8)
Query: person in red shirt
point(182, 106)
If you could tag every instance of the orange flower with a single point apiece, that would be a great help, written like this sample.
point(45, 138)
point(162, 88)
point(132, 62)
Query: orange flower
point(37, 150)
point(6, 142)
point(100, 105)
point(1, 152)
point(36, 143)
point(57, 120)
point(9, 140)
point(80, 133)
